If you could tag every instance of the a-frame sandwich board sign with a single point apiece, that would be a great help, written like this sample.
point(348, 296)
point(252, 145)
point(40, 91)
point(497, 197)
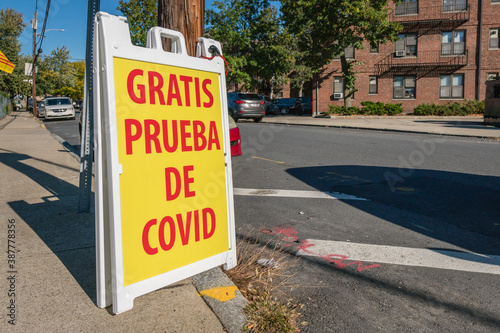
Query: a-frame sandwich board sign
point(164, 194)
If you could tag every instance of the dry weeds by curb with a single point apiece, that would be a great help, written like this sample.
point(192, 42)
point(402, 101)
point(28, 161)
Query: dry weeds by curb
point(262, 276)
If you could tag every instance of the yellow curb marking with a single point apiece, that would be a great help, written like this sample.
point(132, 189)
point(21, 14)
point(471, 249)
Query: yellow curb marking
point(222, 294)
point(266, 159)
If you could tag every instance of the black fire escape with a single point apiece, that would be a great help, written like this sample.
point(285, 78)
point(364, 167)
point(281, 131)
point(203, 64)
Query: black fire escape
point(421, 21)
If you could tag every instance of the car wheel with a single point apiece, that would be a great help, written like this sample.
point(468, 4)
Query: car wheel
point(257, 120)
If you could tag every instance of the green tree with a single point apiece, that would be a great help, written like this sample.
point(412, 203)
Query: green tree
point(55, 72)
point(325, 29)
point(76, 91)
point(11, 28)
point(254, 43)
point(142, 16)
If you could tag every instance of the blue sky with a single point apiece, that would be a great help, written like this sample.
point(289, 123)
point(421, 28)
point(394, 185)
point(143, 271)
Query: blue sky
point(70, 15)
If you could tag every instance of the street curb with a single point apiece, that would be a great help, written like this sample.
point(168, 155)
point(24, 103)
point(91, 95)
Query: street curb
point(228, 307)
point(380, 129)
point(69, 148)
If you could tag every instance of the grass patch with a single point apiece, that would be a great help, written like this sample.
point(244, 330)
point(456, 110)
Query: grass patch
point(262, 276)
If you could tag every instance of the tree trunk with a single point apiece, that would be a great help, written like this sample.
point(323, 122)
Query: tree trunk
point(186, 16)
point(271, 94)
point(347, 97)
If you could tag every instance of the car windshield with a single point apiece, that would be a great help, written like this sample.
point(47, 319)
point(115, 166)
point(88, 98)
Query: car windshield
point(305, 99)
point(286, 101)
point(251, 97)
point(58, 101)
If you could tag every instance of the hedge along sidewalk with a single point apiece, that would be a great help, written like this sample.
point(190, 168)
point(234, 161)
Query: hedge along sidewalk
point(451, 108)
point(469, 126)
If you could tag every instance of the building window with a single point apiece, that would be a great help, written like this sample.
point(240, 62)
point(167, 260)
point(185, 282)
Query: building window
point(407, 7)
point(406, 45)
point(373, 85)
point(494, 40)
point(452, 86)
point(454, 5)
point(349, 53)
point(338, 87)
point(374, 49)
point(453, 42)
point(404, 87)
point(492, 76)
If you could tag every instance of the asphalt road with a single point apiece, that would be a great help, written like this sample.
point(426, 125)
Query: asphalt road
point(406, 238)
point(419, 254)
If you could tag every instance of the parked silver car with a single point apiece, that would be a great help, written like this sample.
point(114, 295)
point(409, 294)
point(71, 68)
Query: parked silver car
point(243, 105)
point(40, 109)
point(59, 107)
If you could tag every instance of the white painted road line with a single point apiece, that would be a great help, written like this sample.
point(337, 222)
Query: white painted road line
point(295, 194)
point(432, 258)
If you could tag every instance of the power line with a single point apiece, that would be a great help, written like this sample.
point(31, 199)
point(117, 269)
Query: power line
point(42, 34)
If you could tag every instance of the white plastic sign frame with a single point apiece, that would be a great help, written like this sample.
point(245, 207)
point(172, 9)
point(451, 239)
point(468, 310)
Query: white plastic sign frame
point(112, 46)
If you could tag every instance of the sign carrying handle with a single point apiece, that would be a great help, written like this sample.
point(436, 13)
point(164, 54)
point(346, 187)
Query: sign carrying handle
point(157, 33)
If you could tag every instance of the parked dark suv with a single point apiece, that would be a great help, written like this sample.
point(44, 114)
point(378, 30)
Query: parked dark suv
point(306, 104)
point(290, 106)
point(244, 105)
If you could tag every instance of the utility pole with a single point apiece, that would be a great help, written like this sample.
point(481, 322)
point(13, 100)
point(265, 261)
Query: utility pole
point(34, 24)
point(188, 17)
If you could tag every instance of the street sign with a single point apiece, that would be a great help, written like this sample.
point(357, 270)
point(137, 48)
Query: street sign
point(164, 207)
point(28, 69)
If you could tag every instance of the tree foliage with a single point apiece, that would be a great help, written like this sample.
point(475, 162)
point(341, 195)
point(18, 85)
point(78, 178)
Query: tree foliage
point(55, 72)
point(256, 46)
point(75, 91)
point(11, 28)
point(324, 29)
point(142, 16)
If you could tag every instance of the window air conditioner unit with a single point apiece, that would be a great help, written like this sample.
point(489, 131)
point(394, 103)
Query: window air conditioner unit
point(338, 95)
point(400, 53)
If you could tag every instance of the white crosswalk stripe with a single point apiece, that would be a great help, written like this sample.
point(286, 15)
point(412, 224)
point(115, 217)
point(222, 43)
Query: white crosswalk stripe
point(295, 194)
point(432, 258)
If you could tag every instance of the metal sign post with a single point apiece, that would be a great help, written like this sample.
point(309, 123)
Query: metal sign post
point(87, 134)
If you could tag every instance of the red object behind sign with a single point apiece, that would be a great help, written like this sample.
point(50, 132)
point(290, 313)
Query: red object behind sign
point(235, 138)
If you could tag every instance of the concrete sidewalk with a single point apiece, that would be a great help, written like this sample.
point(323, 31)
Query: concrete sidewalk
point(455, 126)
point(51, 278)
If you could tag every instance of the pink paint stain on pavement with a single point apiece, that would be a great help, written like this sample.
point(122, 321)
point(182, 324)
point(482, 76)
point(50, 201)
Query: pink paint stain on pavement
point(339, 260)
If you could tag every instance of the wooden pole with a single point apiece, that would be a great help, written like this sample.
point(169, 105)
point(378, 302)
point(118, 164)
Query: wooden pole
point(186, 16)
point(33, 67)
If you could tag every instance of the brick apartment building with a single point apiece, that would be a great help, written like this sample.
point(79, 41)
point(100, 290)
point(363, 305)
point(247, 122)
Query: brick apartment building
point(446, 51)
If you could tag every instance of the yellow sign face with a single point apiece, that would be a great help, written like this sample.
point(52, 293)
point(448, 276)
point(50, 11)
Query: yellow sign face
point(170, 144)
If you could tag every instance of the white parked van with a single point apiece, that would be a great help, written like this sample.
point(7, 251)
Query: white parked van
point(59, 107)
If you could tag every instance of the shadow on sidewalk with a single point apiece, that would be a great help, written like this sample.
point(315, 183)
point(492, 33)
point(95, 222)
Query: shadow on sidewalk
point(70, 236)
